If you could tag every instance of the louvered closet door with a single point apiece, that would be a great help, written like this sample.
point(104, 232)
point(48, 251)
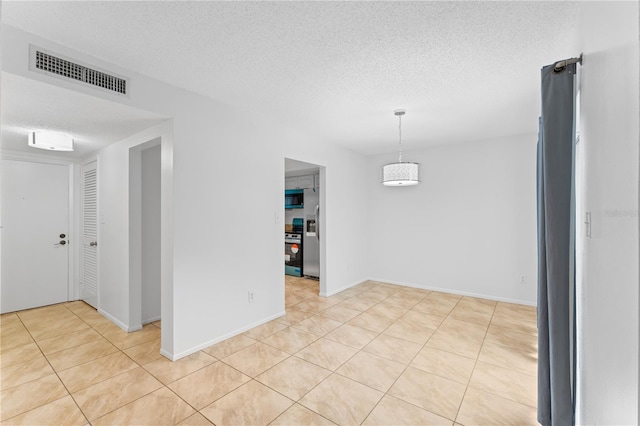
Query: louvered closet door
point(89, 262)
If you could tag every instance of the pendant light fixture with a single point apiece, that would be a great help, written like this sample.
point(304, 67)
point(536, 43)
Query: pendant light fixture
point(400, 173)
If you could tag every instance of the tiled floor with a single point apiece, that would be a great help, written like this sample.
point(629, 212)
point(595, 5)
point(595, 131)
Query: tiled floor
point(376, 354)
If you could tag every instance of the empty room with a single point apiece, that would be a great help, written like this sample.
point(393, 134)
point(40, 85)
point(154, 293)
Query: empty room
point(454, 185)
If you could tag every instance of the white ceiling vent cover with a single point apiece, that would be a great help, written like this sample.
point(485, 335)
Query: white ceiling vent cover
point(43, 61)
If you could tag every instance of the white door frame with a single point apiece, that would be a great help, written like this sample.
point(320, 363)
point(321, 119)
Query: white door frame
point(73, 290)
point(135, 232)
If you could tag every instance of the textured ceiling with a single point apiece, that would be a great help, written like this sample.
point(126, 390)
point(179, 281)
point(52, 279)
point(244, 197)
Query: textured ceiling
point(463, 70)
point(93, 122)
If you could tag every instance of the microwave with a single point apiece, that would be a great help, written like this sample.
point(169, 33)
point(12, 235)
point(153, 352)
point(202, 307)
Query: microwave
point(294, 198)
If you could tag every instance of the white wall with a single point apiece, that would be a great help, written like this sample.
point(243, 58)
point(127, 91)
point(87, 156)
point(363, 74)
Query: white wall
point(608, 298)
point(218, 242)
point(150, 276)
point(469, 227)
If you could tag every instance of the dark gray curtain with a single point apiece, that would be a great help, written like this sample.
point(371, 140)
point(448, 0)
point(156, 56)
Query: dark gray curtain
point(556, 277)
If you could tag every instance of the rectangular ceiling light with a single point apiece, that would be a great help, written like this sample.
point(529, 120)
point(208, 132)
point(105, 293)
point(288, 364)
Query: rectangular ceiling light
point(51, 141)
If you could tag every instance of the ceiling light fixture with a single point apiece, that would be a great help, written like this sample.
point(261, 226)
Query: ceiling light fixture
point(51, 141)
point(400, 174)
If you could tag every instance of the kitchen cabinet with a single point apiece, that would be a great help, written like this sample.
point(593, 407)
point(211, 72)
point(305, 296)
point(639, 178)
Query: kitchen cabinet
point(299, 182)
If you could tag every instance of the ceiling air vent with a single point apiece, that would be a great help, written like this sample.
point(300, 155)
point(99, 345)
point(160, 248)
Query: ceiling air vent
point(44, 61)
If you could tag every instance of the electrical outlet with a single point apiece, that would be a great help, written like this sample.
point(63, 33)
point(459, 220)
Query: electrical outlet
point(251, 297)
point(523, 279)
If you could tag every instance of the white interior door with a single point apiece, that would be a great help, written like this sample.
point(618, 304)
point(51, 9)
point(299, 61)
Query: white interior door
point(89, 250)
point(35, 221)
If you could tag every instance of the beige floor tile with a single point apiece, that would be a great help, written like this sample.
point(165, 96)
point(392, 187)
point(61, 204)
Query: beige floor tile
point(471, 315)
point(405, 299)
point(63, 411)
point(293, 377)
point(124, 340)
point(357, 303)
point(265, 330)
point(515, 323)
point(14, 336)
point(318, 325)
point(106, 396)
point(168, 371)
point(504, 382)
point(291, 340)
point(482, 408)
point(94, 318)
point(392, 348)
point(45, 313)
point(388, 310)
point(250, 404)
point(342, 400)
point(350, 335)
point(145, 353)
point(394, 411)
point(19, 354)
point(77, 305)
point(340, 313)
point(77, 355)
point(455, 343)
point(208, 384)
point(229, 346)
point(477, 304)
point(444, 364)
point(52, 327)
point(196, 420)
point(255, 359)
point(505, 356)
point(299, 415)
point(409, 331)
point(30, 395)
point(433, 393)
point(17, 374)
point(294, 316)
point(469, 330)
point(372, 370)
point(523, 312)
point(327, 353)
point(69, 340)
point(441, 308)
point(439, 296)
point(371, 322)
point(371, 298)
point(310, 305)
point(161, 407)
point(92, 372)
point(423, 319)
point(508, 337)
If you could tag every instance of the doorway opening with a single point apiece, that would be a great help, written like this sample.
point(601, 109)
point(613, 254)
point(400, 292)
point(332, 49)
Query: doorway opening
point(303, 231)
point(145, 233)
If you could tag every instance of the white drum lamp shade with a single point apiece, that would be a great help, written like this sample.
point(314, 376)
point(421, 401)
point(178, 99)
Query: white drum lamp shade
point(401, 174)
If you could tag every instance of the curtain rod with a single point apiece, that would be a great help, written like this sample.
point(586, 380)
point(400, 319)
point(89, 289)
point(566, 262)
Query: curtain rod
point(560, 65)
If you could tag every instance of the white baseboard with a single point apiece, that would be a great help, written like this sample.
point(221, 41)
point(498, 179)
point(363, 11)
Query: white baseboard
point(150, 320)
point(204, 345)
point(119, 323)
point(458, 292)
point(348, 286)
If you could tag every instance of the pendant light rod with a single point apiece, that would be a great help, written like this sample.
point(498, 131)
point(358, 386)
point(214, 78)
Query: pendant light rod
point(399, 113)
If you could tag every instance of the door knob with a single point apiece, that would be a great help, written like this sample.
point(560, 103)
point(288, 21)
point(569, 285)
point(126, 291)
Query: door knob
point(61, 243)
point(93, 243)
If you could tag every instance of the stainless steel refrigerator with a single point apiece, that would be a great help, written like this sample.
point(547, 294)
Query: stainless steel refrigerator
point(311, 234)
